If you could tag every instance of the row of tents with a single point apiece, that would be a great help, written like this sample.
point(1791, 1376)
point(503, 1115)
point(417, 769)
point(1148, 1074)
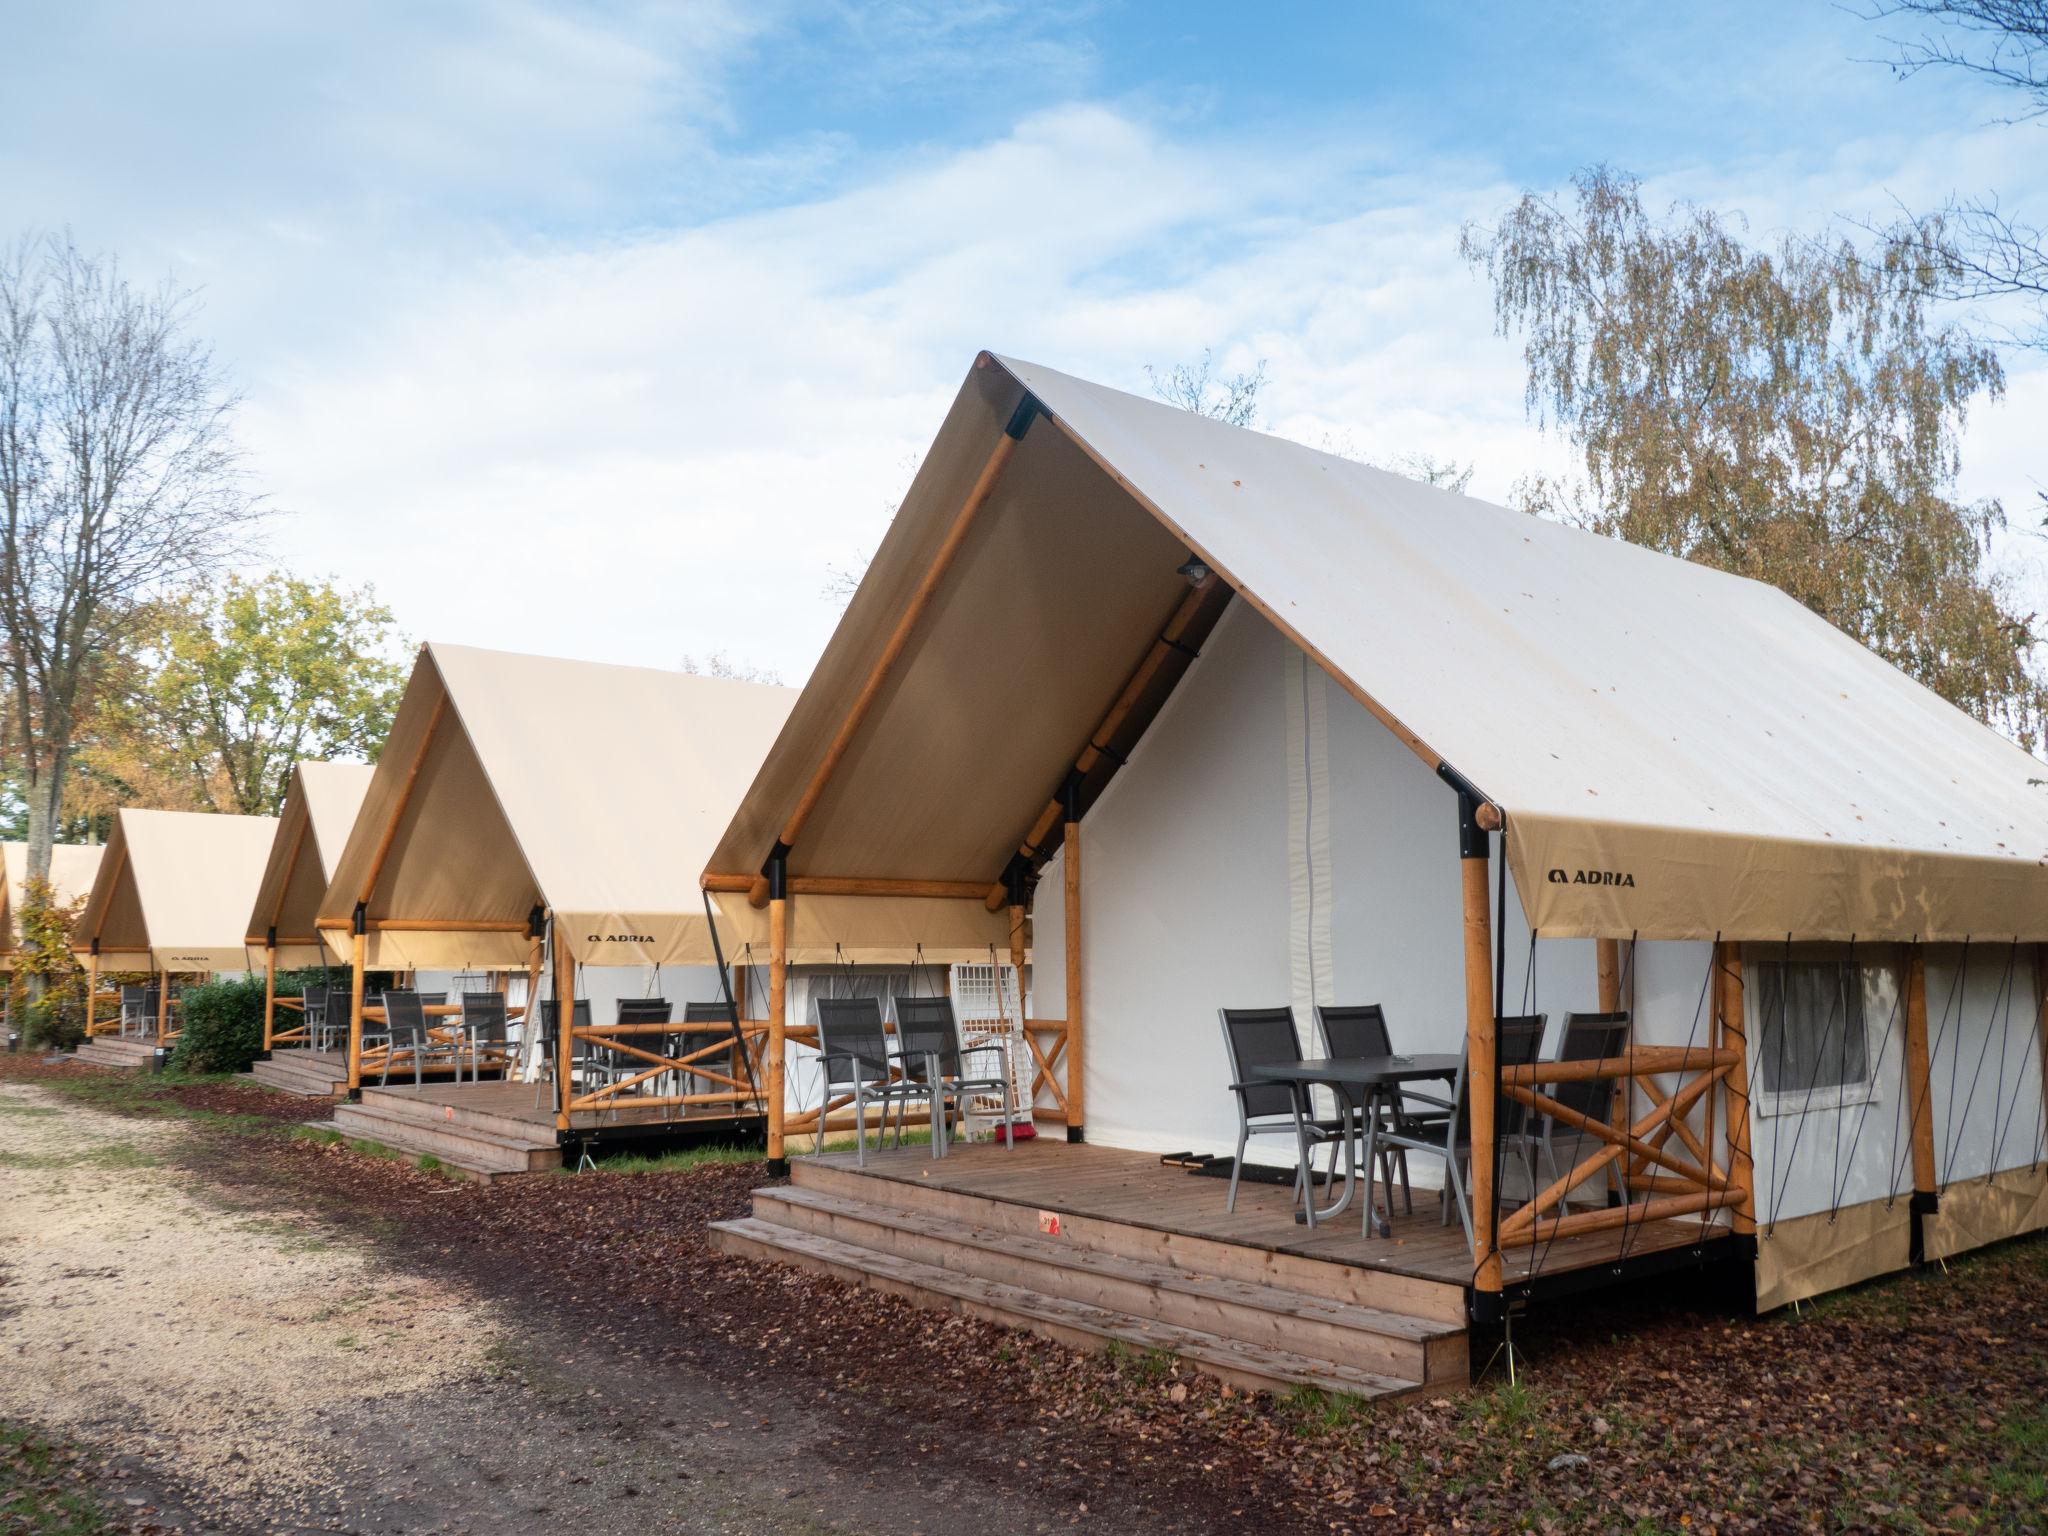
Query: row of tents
point(1333, 736)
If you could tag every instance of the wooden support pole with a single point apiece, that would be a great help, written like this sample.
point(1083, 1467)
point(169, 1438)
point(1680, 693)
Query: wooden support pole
point(565, 1027)
point(1010, 1053)
point(358, 944)
point(92, 987)
point(1077, 1082)
point(412, 778)
point(778, 1006)
point(1608, 959)
point(163, 1006)
point(529, 1029)
point(1919, 1100)
point(899, 638)
point(1579, 1222)
point(1732, 1037)
point(1168, 643)
point(269, 987)
point(1481, 1063)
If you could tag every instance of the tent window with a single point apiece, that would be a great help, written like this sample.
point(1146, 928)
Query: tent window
point(1813, 1046)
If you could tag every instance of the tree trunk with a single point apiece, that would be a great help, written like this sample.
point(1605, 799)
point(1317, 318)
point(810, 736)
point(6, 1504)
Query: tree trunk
point(45, 794)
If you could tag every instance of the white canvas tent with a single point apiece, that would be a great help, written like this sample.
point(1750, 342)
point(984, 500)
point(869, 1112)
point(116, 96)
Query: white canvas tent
point(1664, 754)
point(528, 797)
point(320, 806)
point(172, 893)
point(72, 868)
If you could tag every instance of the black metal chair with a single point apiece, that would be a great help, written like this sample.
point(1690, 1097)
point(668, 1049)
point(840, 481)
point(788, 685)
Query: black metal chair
point(485, 1036)
point(854, 1050)
point(740, 1067)
point(1265, 1037)
point(1520, 1044)
point(579, 1047)
point(644, 1010)
point(404, 1029)
point(929, 1049)
point(1588, 1037)
point(1360, 1029)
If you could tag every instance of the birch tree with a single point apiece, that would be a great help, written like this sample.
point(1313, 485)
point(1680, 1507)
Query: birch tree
point(119, 478)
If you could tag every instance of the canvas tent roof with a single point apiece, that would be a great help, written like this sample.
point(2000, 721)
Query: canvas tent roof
point(594, 791)
point(173, 890)
point(1749, 769)
point(72, 867)
point(320, 806)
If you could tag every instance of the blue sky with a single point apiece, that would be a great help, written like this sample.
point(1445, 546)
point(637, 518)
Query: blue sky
point(536, 304)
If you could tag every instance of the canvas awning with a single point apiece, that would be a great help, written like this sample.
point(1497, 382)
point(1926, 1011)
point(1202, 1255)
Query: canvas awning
point(1678, 753)
point(320, 806)
point(72, 867)
point(173, 891)
point(513, 782)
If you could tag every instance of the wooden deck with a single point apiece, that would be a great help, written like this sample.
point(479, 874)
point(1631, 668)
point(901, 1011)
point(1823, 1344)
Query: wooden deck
point(1136, 1189)
point(492, 1128)
point(1092, 1245)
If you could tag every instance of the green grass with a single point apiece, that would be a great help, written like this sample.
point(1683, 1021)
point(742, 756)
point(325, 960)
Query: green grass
point(113, 1156)
point(25, 1111)
point(320, 1135)
point(38, 1494)
point(680, 1161)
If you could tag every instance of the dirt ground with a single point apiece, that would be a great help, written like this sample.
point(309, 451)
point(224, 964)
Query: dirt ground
point(317, 1339)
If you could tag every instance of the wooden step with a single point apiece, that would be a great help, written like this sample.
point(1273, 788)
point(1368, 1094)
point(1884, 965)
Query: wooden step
point(398, 1100)
point(1357, 1285)
point(307, 1079)
point(120, 1052)
point(470, 1151)
point(1078, 1324)
point(1371, 1339)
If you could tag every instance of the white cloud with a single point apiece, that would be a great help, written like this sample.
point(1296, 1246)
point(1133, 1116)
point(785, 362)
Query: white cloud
point(658, 446)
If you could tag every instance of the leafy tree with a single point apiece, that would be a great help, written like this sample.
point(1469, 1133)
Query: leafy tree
point(119, 477)
point(243, 679)
point(1791, 415)
point(46, 988)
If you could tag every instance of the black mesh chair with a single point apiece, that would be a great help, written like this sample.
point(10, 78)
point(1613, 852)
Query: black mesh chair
point(1354, 1030)
point(854, 1049)
point(579, 1047)
point(404, 1029)
point(313, 1015)
point(1265, 1037)
point(738, 1066)
point(486, 1035)
point(1588, 1037)
point(929, 1049)
point(645, 1010)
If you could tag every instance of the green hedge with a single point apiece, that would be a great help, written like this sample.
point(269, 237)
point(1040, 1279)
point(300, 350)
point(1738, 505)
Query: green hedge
point(221, 1028)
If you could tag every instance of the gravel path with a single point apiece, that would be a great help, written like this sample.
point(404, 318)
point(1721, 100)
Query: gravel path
point(242, 1366)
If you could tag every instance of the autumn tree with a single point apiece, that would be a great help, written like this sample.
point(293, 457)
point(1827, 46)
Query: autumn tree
point(245, 677)
point(1790, 414)
point(119, 478)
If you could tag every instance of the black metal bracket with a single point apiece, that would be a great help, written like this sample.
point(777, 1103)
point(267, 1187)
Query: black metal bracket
point(269, 937)
point(1926, 1202)
point(95, 946)
point(1018, 878)
point(1070, 796)
point(359, 920)
point(1028, 410)
point(777, 871)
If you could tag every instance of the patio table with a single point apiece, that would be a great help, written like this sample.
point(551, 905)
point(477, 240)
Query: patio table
point(1362, 1085)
